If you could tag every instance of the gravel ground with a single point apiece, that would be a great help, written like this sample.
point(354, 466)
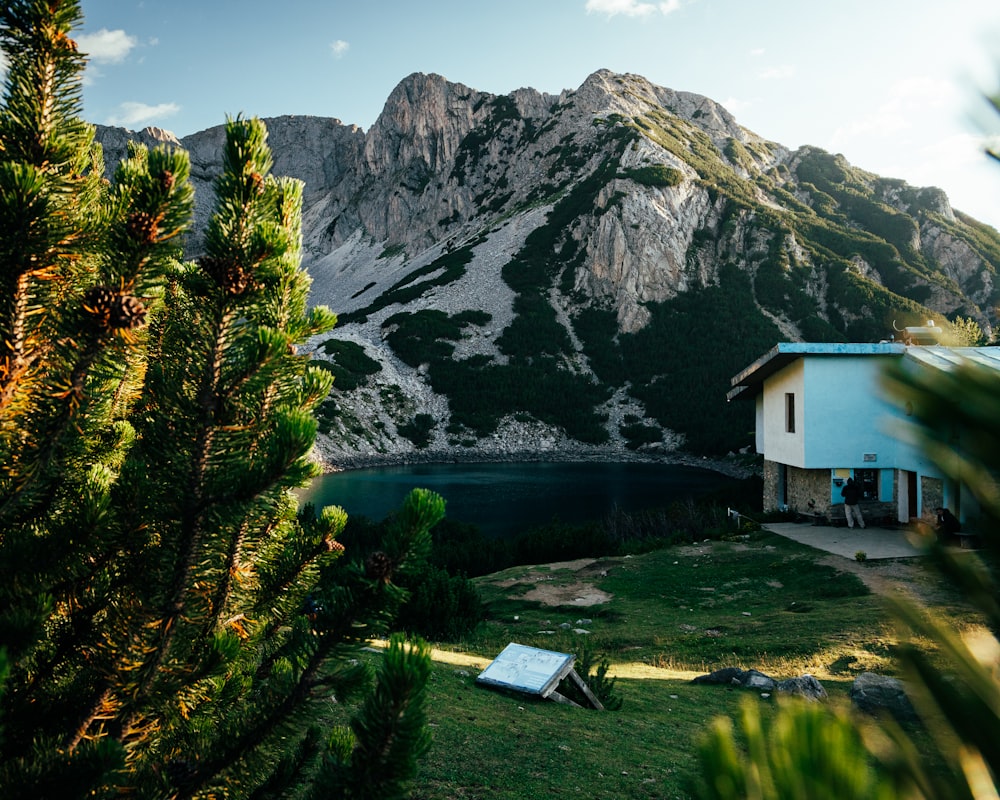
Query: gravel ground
point(915, 577)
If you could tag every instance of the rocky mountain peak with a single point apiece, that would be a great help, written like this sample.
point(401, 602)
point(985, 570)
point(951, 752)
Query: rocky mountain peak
point(632, 95)
point(422, 122)
point(588, 269)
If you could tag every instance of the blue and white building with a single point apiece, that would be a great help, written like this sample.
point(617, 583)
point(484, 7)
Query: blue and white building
point(822, 417)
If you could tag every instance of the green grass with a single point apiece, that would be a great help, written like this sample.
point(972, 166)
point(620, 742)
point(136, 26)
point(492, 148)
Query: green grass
point(487, 744)
point(764, 603)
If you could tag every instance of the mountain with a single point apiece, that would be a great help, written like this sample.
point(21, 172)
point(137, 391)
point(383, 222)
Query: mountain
point(530, 274)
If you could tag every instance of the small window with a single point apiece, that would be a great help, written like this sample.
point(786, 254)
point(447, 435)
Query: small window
point(790, 412)
point(867, 481)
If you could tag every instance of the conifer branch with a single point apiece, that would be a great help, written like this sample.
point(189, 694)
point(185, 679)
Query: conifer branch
point(191, 526)
point(159, 464)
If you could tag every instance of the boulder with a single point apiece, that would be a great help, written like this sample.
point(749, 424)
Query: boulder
point(803, 686)
point(752, 679)
point(875, 694)
point(734, 676)
point(724, 676)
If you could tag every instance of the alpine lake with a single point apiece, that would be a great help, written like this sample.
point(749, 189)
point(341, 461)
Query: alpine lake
point(504, 499)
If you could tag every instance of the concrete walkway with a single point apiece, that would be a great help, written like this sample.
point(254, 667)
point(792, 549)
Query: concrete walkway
point(844, 541)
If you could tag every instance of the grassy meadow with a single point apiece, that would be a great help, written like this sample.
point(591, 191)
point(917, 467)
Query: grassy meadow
point(760, 602)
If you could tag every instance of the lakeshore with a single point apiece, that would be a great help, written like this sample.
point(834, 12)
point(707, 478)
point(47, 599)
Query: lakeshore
point(734, 465)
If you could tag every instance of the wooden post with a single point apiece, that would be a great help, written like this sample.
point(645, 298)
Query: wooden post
point(560, 698)
point(586, 690)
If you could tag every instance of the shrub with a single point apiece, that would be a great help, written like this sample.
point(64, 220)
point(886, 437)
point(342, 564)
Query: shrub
point(638, 434)
point(349, 364)
point(559, 541)
point(418, 430)
point(440, 606)
point(655, 175)
point(595, 675)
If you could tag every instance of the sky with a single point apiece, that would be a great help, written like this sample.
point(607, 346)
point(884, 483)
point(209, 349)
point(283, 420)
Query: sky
point(896, 86)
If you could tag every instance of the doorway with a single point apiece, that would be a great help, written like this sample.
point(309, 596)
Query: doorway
point(907, 495)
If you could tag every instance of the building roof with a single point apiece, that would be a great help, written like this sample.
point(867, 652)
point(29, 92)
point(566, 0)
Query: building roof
point(784, 353)
point(749, 382)
point(947, 358)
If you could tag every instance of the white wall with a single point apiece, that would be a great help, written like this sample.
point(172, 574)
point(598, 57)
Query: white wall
point(779, 445)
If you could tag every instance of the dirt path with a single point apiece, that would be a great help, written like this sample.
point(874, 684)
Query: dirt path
point(908, 576)
point(548, 584)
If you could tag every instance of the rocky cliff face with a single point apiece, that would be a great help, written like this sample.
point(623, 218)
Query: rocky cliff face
point(582, 273)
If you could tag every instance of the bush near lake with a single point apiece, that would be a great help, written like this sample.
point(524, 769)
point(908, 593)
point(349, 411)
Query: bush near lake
point(460, 548)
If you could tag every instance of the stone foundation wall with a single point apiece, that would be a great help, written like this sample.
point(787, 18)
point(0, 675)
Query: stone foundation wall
point(815, 485)
point(804, 485)
point(809, 485)
point(931, 497)
point(770, 473)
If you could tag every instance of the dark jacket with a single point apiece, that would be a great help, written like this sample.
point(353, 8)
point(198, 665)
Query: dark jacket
point(948, 522)
point(851, 493)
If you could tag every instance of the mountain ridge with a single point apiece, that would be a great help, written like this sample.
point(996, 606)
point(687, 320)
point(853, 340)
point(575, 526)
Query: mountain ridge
point(576, 243)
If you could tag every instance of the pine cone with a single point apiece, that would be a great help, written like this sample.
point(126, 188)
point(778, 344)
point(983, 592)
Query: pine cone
point(255, 183)
point(98, 302)
point(143, 226)
point(231, 277)
point(127, 312)
point(167, 181)
point(378, 567)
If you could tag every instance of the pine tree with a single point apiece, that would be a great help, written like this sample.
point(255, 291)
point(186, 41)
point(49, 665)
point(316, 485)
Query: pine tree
point(170, 624)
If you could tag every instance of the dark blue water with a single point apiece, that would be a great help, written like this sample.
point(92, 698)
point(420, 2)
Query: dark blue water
point(505, 499)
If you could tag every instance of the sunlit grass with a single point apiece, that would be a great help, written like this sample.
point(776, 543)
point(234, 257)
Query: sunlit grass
point(674, 614)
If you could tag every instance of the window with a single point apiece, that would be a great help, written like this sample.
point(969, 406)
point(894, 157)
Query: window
point(867, 481)
point(789, 412)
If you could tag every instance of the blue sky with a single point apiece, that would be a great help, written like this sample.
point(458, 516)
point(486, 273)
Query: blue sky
point(894, 85)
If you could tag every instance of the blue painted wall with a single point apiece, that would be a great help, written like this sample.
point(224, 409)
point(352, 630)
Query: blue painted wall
point(848, 420)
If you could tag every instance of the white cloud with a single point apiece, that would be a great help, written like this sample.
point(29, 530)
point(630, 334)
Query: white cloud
point(884, 123)
point(141, 114)
point(631, 8)
point(923, 93)
point(108, 47)
point(907, 102)
point(780, 72)
point(339, 48)
point(757, 51)
point(735, 106)
point(957, 163)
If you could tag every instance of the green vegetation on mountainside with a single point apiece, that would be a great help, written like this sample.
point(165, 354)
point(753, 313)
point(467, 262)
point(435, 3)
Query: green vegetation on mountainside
point(348, 364)
point(445, 269)
point(680, 363)
point(809, 233)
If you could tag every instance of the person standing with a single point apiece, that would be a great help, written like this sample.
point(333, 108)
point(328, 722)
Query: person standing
point(948, 526)
point(852, 495)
